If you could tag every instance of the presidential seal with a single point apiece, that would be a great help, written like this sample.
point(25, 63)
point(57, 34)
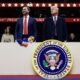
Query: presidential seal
point(52, 60)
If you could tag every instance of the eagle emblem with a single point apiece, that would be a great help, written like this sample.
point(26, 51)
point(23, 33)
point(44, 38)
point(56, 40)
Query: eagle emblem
point(52, 58)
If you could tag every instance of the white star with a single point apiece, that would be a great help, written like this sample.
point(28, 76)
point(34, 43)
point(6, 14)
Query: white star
point(3, 5)
point(22, 4)
point(56, 5)
point(31, 4)
point(15, 4)
point(28, 4)
point(68, 5)
point(9, 5)
point(74, 5)
point(62, 5)
point(37, 5)
point(49, 4)
point(43, 5)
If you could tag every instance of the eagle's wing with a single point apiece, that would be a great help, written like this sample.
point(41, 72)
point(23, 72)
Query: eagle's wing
point(57, 58)
point(47, 58)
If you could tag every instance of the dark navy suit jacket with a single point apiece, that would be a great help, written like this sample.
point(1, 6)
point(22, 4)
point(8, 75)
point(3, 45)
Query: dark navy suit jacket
point(31, 28)
point(48, 29)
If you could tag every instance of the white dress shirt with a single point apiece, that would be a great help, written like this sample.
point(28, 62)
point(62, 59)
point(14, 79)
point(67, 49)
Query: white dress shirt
point(56, 18)
point(55, 21)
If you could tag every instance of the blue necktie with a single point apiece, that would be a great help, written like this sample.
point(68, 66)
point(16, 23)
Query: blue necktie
point(55, 20)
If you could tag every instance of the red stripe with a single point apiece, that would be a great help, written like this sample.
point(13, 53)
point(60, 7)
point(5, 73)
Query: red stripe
point(73, 75)
point(38, 19)
point(35, 76)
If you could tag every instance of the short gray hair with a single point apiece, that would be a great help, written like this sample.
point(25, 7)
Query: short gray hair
point(54, 7)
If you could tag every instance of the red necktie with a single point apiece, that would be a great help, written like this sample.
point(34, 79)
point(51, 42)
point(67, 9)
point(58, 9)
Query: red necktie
point(25, 26)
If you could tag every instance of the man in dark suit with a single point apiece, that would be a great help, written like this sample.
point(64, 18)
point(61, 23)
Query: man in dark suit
point(54, 26)
point(25, 26)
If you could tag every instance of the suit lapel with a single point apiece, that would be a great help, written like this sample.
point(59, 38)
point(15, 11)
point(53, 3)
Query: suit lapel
point(52, 21)
point(22, 22)
point(21, 25)
point(51, 18)
point(29, 21)
point(57, 20)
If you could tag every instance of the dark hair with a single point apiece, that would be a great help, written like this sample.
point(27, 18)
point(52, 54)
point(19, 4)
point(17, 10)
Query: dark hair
point(27, 7)
point(6, 29)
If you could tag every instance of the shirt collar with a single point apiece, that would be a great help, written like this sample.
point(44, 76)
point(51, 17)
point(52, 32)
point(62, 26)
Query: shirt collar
point(55, 16)
point(27, 16)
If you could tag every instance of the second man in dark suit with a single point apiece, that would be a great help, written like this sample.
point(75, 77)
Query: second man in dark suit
point(54, 26)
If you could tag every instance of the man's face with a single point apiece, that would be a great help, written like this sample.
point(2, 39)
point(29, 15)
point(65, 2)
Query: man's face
point(25, 11)
point(54, 11)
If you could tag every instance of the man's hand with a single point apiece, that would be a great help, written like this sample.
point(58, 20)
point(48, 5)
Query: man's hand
point(31, 39)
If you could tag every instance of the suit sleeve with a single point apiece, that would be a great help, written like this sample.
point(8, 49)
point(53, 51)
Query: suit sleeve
point(35, 29)
point(44, 30)
point(17, 30)
point(64, 30)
